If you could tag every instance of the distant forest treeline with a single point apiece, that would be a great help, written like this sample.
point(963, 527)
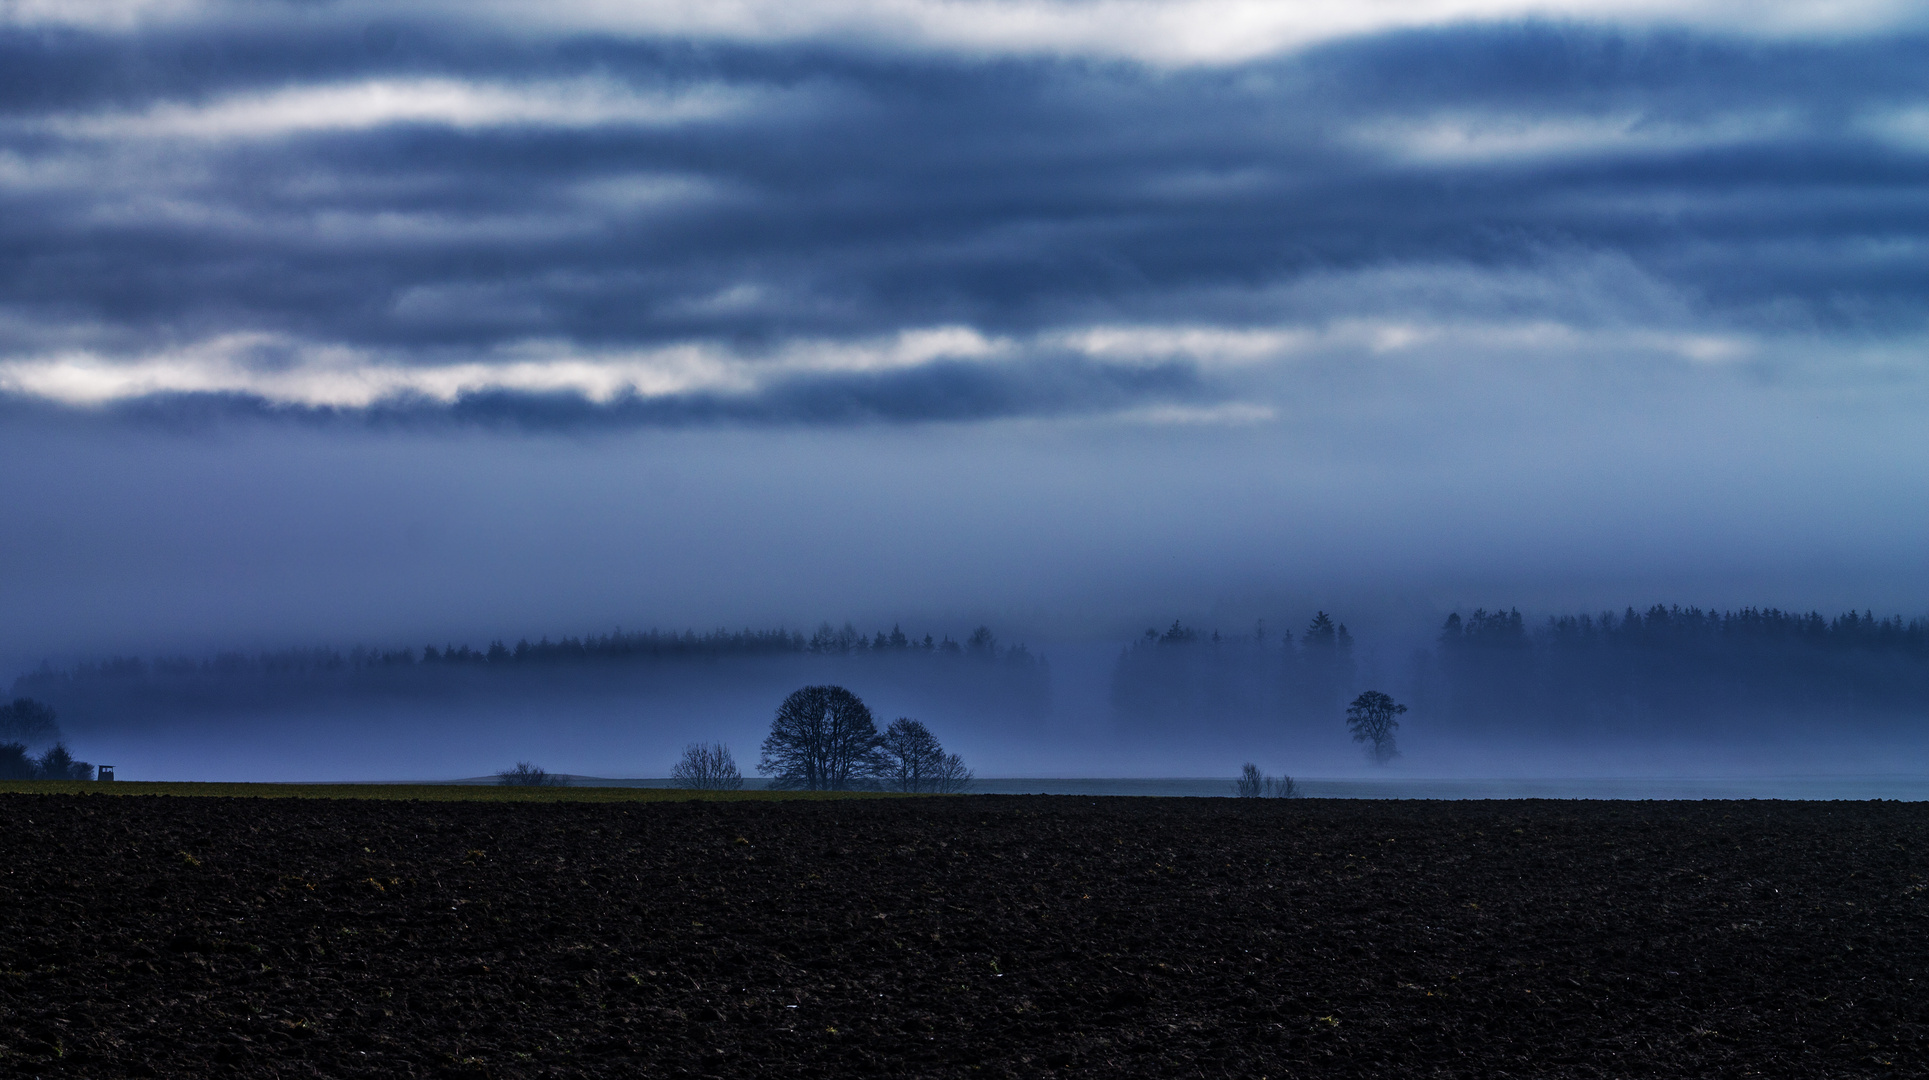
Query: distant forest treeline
point(1669, 669)
point(1252, 681)
point(1664, 672)
point(1672, 665)
point(617, 647)
point(626, 665)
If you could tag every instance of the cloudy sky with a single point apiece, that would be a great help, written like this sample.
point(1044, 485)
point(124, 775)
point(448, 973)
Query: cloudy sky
point(338, 321)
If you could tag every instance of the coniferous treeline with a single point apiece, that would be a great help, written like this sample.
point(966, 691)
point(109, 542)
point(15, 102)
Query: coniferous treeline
point(978, 673)
point(1670, 669)
point(1250, 680)
point(616, 647)
point(1673, 665)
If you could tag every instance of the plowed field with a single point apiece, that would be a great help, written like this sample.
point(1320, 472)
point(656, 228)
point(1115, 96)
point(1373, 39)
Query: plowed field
point(962, 937)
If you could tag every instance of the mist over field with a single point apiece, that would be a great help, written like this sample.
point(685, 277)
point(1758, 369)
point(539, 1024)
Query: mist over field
point(327, 326)
point(1668, 692)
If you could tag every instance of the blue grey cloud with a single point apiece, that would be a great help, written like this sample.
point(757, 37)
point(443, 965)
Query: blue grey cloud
point(935, 392)
point(262, 211)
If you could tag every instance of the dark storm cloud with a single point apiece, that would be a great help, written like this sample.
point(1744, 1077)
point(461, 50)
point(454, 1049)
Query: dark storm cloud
point(842, 194)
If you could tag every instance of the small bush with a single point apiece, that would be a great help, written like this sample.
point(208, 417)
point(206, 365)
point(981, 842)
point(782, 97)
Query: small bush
point(1253, 784)
point(527, 775)
point(707, 767)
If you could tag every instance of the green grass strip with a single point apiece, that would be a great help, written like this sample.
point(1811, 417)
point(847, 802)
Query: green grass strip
point(423, 792)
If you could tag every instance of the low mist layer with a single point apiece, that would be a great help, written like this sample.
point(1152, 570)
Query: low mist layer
point(1672, 691)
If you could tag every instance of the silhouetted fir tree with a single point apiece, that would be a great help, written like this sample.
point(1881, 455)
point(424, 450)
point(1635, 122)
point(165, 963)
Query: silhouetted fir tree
point(58, 764)
point(1325, 672)
point(1184, 676)
point(14, 762)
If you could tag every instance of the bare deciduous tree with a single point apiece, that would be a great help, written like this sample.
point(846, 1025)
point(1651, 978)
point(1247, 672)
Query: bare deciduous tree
point(707, 767)
point(527, 775)
point(1372, 718)
point(1253, 784)
point(914, 760)
point(823, 739)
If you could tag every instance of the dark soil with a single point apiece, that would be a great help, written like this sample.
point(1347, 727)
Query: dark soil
point(978, 936)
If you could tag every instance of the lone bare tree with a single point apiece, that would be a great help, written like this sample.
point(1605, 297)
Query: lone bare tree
point(707, 767)
point(527, 775)
point(914, 760)
point(823, 739)
point(1372, 718)
point(1252, 782)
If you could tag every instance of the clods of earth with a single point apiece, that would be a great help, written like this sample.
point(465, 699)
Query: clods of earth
point(962, 937)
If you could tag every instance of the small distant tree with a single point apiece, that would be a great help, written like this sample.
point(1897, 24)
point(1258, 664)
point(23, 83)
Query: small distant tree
point(1253, 784)
point(58, 764)
point(1372, 718)
point(527, 775)
point(707, 767)
point(914, 761)
point(14, 762)
point(823, 739)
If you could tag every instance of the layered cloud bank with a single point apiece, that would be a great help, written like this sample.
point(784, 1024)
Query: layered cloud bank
point(1173, 32)
point(648, 214)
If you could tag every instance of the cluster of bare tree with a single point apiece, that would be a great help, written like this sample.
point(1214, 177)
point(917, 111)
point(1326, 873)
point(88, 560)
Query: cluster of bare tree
point(1253, 784)
point(528, 775)
point(824, 738)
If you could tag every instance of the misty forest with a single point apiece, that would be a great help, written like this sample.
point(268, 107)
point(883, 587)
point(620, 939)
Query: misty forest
point(1744, 679)
point(947, 539)
point(1492, 675)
